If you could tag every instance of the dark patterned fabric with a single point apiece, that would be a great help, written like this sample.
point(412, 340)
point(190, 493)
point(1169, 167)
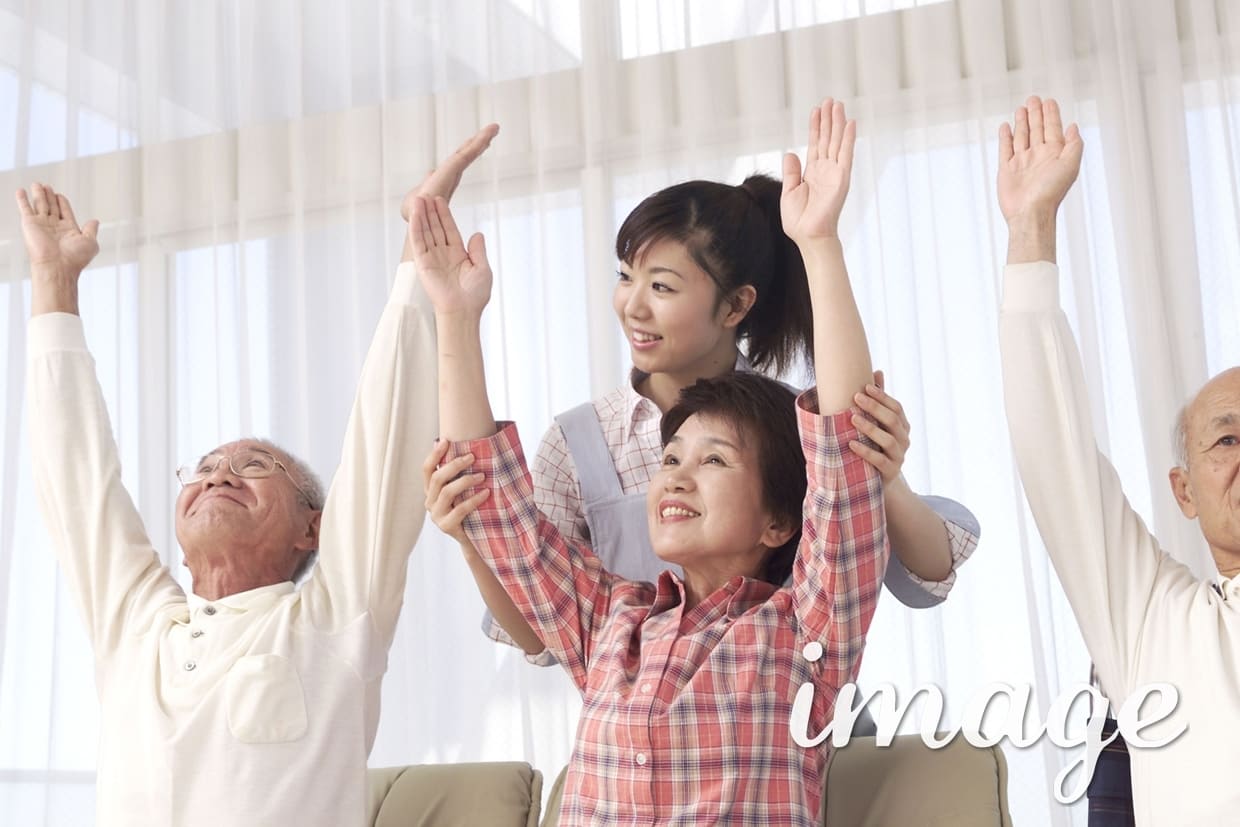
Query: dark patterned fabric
point(1110, 790)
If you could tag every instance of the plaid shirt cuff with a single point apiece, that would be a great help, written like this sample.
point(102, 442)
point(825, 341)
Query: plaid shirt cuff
point(498, 456)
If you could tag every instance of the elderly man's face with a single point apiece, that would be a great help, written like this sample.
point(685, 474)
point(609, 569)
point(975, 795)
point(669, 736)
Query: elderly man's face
point(1209, 489)
point(256, 526)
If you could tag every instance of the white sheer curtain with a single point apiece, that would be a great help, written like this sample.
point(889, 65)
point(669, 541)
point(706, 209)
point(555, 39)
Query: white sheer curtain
point(247, 160)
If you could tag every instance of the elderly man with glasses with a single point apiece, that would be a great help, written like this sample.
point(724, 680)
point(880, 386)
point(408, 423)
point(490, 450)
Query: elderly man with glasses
point(248, 701)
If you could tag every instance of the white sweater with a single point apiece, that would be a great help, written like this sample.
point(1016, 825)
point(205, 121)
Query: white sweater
point(260, 708)
point(1144, 616)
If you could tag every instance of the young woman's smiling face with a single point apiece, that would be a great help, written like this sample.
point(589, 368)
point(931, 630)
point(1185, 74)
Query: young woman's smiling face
point(671, 313)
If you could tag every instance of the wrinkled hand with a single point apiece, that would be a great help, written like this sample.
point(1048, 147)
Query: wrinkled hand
point(1038, 161)
point(444, 486)
point(457, 279)
point(443, 180)
point(883, 422)
point(53, 237)
point(812, 200)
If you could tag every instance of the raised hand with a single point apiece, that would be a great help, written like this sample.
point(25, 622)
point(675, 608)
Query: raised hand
point(445, 484)
point(812, 200)
point(884, 422)
point(443, 180)
point(53, 237)
point(1038, 160)
point(456, 278)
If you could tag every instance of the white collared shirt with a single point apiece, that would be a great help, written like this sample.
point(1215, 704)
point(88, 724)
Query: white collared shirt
point(1145, 617)
point(259, 708)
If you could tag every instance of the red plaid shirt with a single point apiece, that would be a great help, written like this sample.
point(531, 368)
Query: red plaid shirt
point(686, 714)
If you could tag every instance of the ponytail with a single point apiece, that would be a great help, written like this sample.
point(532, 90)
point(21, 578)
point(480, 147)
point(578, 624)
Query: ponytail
point(736, 236)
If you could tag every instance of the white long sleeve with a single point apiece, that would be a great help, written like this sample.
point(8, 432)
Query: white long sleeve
point(1143, 615)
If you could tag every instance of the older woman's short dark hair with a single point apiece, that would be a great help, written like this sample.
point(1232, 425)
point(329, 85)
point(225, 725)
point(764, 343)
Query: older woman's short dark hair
point(763, 412)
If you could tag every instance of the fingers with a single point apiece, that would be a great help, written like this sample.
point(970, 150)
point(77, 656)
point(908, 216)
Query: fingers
point(883, 409)
point(1006, 150)
point(838, 122)
point(792, 172)
point(847, 144)
point(23, 203)
point(825, 115)
point(438, 451)
point(815, 134)
point(65, 209)
point(40, 198)
point(91, 230)
point(475, 145)
point(446, 480)
point(420, 227)
point(886, 467)
point(1021, 139)
point(437, 233)
point(1034, 107)
point(1052, 123)
point(879, 379)
point(451, 234)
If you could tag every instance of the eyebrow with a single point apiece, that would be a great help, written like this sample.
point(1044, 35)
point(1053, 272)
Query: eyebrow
point(658, 270)
point(1226, 419)
point(713, 440)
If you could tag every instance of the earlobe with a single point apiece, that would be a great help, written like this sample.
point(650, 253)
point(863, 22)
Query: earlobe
point(1182, 489)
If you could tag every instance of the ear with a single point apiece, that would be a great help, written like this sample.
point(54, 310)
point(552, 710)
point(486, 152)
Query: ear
point(309, 540)
point(776, 534)
point(1183, 491)
point(737, 306)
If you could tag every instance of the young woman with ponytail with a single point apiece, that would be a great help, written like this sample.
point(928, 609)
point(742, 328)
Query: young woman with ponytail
point(704, 268)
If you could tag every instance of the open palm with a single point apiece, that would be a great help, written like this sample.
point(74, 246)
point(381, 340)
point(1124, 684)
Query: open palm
point(1038, 160)
point(812, 200)
point(51, 231)
point(455, 277)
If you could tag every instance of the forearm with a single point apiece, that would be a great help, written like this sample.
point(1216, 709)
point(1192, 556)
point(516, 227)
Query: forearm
point(841, 354)
point(916, 532)
point(52, 290)
point(1031, 237)
point(464, 408)
point(503, 609)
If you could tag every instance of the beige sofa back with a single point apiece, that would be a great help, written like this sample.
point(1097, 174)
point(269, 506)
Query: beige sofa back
point(499, 794)
point(867, 786)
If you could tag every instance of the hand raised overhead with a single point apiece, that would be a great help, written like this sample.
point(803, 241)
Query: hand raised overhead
point(813, 199)
point(443, 180)
point(1038, 160)
point(53, 237)
point(456, 278)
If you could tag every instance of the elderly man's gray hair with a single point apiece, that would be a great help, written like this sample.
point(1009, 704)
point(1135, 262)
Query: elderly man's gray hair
point(312, 495)
point(1179, 436)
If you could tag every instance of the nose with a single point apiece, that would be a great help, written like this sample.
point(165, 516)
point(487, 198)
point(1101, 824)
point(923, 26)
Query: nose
point(636, 305)
point(221, 474)
point(677, 479)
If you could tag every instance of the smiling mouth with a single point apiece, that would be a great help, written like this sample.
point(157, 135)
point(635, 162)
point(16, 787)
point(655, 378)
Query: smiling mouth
point(645, 338)
point(668, 512)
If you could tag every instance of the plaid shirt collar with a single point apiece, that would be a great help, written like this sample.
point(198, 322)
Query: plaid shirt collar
point(638, 408)
point(731, 600)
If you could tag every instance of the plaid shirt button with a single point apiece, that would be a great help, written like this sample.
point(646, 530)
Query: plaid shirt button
point(641, 759)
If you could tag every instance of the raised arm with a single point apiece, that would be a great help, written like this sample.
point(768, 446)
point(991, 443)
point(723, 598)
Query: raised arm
point(104, 553)
point(843, 550)
point(374, 510)
point(1105, 557)
point(559, 589)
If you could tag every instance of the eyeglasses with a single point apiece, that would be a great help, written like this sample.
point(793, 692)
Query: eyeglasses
point(249, 463)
